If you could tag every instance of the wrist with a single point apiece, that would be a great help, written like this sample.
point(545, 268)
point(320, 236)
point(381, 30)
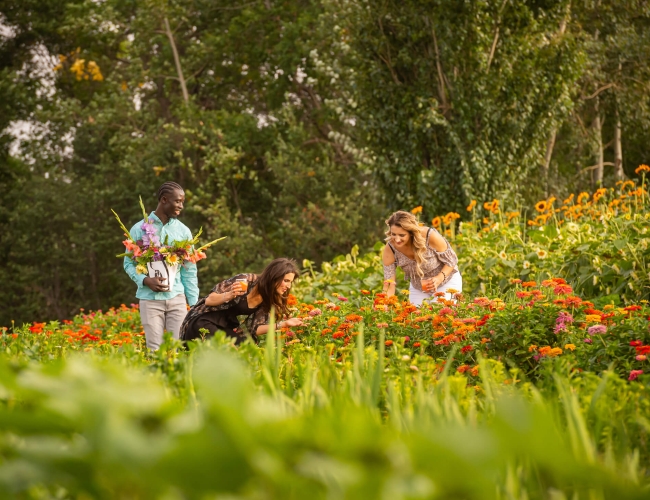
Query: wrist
point(444, 275)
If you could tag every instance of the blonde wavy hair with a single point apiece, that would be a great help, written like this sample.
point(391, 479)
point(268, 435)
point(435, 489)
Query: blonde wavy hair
point(410, 224)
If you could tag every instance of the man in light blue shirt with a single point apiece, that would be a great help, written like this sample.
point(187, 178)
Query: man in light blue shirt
point(163, 305)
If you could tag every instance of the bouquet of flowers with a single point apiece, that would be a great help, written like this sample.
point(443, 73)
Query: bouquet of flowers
point(157, 258)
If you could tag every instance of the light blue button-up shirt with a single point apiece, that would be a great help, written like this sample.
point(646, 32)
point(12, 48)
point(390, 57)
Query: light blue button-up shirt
point(186, 279)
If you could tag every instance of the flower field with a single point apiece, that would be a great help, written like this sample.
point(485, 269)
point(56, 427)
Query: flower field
point(599, 243)
point(536, 385)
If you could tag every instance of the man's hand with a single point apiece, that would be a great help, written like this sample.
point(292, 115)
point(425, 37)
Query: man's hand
point(156, 284)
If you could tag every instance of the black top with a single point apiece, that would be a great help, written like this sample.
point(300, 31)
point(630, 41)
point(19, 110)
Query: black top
point(224, 316)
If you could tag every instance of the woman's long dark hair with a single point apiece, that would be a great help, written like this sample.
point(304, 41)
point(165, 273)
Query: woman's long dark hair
point(269, 281)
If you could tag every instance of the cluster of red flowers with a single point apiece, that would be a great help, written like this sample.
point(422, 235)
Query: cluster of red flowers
point(95, 328)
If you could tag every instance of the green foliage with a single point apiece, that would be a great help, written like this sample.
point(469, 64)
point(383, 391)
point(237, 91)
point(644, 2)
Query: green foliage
point(247, 145)
point(455, 100)
point(95, 427)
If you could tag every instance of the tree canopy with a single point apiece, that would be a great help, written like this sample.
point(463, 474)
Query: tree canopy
point(295, 127)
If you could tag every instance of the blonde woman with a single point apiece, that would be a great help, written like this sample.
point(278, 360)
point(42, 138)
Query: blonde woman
point(425, 256)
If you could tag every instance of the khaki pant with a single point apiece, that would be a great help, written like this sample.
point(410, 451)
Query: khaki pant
point(159, 316)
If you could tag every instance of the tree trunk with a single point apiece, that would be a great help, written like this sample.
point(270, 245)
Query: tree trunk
point(177, 61)
point(547, 160)
point(598, 130)
point(618, 149)
point(618, 143)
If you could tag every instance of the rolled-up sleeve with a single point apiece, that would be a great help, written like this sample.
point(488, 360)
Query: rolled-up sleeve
point(190, 281)
point(129, 263)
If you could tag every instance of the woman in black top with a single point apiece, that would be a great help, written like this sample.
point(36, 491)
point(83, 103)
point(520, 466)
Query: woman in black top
point(229, 299)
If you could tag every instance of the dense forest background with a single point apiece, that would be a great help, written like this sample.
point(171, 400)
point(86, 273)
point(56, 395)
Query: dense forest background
point(295, 126)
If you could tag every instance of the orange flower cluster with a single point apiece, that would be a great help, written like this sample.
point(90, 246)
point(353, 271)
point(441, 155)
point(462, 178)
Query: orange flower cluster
point(549, 351)
point(492, 206)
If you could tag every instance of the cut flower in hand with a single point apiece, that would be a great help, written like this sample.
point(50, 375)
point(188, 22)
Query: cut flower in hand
point(150, 249)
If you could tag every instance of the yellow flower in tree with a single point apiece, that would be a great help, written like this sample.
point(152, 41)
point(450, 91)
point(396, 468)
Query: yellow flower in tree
point(78, 68)
point(471, 205)
point(541, 206)
point(417, 210)
point(93, 69)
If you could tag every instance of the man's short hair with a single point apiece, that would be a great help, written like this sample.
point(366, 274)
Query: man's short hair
point(168, 188)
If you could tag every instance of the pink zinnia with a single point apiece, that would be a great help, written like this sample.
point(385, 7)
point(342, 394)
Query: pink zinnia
point(634, 374)
point(588, 341)
point(641, 357)
point(597, 330)
point(315, 312)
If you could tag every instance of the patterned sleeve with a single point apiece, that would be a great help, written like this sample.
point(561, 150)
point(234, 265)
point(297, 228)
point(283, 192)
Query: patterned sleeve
point(224, 287)
point(390, 271)
point(254, 321)
point(447, 256)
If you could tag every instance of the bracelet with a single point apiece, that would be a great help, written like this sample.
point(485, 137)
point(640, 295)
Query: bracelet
point(443, 273)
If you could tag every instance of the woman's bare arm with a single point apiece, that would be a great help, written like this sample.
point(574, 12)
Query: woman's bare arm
point(388, 258)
